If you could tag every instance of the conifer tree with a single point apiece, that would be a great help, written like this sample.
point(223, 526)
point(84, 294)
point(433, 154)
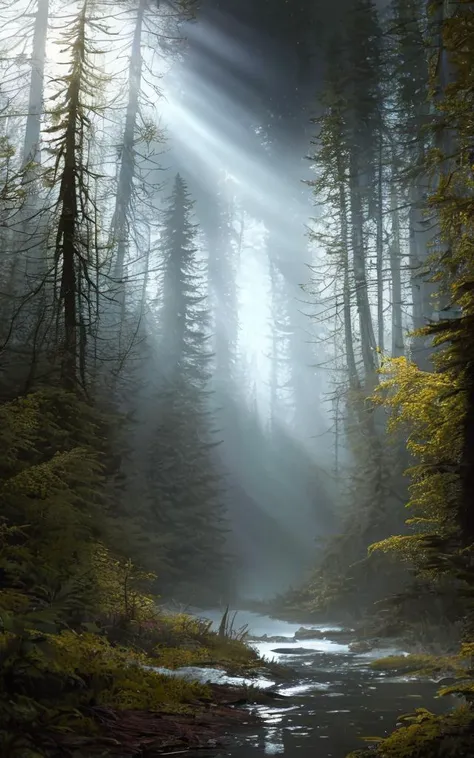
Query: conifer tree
point(350, 185)
point(409, 121)
point(74, 254)
point(435, 408)
point(185, 492)
point(217, 221)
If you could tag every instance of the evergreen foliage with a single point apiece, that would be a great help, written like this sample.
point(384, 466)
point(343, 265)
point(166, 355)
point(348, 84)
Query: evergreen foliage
point(429, 433)
point(80, 626)
point(351, 188)
point(80, 629)
point(185, 492)
point(434, 408)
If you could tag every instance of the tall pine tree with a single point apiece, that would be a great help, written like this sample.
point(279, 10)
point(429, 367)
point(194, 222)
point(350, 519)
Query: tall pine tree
point(184, 484)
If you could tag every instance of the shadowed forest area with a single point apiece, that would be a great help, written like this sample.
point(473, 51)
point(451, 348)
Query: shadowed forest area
point(236, 361)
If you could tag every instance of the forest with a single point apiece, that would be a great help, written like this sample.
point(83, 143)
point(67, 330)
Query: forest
point(236, 357)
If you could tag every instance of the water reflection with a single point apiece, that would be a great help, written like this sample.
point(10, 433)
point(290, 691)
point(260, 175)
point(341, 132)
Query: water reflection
point(270, 650)
point(312, 727)
point(274, 742)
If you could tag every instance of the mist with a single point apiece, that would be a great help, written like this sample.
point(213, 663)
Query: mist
point(238, 123)
point(229, 342)
point(236, 377)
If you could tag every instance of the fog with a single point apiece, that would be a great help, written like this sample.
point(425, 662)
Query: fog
point(237, 112)
point(236, 375)
point(218, 110)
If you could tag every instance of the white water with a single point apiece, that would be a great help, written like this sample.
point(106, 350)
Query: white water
point(259, 625)
point(214, 676)
point(326, 674)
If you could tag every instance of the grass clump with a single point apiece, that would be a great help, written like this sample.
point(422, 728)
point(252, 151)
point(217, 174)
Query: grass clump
point(422, 665)
point(176, 640)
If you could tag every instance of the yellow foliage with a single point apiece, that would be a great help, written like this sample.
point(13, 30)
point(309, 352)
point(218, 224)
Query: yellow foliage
point(426, 406)
point(183, 640)
point(176, 657)
point(120, 677)
point(424, 665)
point(182, 623)
point(120, 586)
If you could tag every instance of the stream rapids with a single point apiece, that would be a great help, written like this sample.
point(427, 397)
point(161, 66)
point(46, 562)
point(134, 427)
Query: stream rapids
point(332, 701)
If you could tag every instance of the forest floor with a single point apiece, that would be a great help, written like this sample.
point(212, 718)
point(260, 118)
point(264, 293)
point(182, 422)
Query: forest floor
point(131, 699)
point(199, 726)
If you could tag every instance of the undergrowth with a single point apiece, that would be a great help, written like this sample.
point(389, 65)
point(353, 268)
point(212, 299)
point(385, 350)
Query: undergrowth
point(80, 628)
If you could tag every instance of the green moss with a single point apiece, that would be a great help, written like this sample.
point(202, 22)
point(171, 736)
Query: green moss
point(427, 736)
point(80, 629)
point(424, 665)
point(181, 640)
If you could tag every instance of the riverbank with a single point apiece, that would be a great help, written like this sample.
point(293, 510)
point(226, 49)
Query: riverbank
point(123, 690)
point(182, 685)
point(334, 698)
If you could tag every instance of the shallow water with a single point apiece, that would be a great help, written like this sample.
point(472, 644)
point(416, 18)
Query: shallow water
point(332, 702)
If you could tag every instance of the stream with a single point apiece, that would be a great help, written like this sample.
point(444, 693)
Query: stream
point(332, 700)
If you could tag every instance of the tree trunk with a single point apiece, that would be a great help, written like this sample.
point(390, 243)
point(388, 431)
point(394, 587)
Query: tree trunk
point(367, 335)
point(66, 238)
point(379, 247)
point(121, 219)
point(354, 382)
point(26, 256)
point(31, 145)
point(398, 346)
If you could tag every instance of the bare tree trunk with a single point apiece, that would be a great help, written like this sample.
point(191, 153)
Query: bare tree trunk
point(275, 357)
point(354, 382)
point(28, 251)
point(398, 346)
point(379, 247)
point(121, 219)
point(417, 253)
point(31, 145)
point(424, 292)
point(367, 335)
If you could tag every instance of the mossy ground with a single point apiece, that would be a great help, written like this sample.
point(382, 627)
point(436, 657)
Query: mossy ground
point(71, 687)
point(181, 640)
point(423, 665)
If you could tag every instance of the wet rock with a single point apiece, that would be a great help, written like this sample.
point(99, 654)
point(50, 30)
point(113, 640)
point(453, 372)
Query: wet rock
point(342, 636)
point(362, 646)
point(309, 634)
point(447, 681)
point(266, 638)
point(292, 650)
point(366, 645)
